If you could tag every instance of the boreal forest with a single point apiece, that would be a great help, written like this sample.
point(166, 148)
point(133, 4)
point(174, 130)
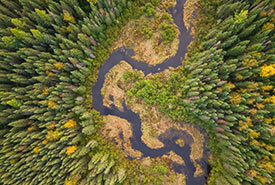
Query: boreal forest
point(137, 92)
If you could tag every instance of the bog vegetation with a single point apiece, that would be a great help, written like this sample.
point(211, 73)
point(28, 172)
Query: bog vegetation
point(50, 52)
point(227, 85)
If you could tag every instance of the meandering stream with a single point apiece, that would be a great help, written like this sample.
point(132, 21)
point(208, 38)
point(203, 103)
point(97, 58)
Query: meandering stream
point(134, 119)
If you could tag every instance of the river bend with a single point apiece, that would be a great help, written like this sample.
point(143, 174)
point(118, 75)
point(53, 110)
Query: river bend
point(134, 119)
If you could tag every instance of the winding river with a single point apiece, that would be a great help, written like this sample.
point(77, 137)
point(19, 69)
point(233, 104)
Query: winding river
point(134, 119)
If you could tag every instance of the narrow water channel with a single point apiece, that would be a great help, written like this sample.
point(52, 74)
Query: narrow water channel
point(134, 119)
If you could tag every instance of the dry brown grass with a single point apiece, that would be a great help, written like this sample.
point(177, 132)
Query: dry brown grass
point(148, 50)
point(190, 7)
point(111, 129)
point(147, 161)
point(180, 142)
point(197, 146)
point(174, 157)
point(179, 179)
point(148, 137)
point(114, 85)
point(174, 179)
point(155, 123)
point(199, 170)
point(170, 178)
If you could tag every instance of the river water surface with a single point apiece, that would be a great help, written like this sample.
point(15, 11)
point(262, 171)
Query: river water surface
point(134, 119)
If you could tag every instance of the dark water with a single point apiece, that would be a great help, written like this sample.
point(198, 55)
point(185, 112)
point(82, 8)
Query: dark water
point(171, 135)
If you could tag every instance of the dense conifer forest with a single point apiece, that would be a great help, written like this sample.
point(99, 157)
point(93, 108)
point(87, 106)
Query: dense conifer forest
point(50, 53)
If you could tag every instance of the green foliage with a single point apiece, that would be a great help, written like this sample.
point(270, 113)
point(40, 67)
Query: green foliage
point(146, 89)
point(14, 103)
point(160, 169)
point(37, 34)
point(226, 86)
point(131, 76)
point(10, 41)
point(240, 17)
point(108, 20)
point(149, 10)
point(77, 53)
point(168, 33)
point(167, 16)
point(20, 34)
point(146, 30)
point(17, 22)
point(155, 2)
